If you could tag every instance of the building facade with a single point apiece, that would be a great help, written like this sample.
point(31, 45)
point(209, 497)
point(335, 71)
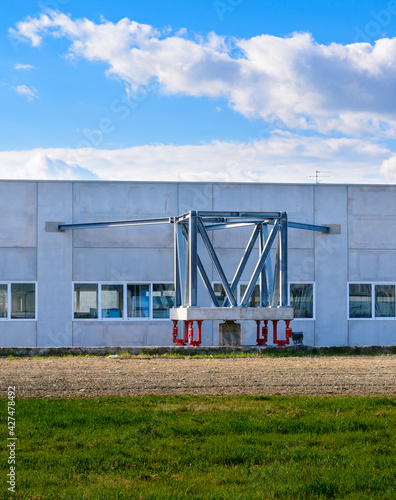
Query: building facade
point(114, 286)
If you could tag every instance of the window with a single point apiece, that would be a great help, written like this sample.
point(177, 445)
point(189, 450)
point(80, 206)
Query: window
point(85, 301)
point(372, 301)
point(18, 301)
point(301, 297)
point(254, 300)
point(121, 301)
point(163, 300)
point(112, 303)
point(360, 302)
point(221, 295)
point(302, 300)
point(384, 301)
point(23, 303)
point(3, 300)
point(138, 297)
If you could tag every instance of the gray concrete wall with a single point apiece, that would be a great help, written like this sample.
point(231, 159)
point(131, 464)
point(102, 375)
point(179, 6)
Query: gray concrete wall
point(18, 253)
point(372, 254)
point(54, 265)
point(365, 250)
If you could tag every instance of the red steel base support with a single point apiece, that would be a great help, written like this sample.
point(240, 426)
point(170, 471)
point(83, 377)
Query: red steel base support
point(175, 332)
point(288, 332)
point(188, 333)
point(263, 338)
point(191, 338)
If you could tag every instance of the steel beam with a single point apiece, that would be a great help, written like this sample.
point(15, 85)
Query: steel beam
point(118, 223)
point(268, 267)
point(309, 227)
point(216, 262)
point(260, 264)
point(176, 270)
point(192, 260)
point(229, 225)
point(263, 279)
point(260, 215)
point(204, 276)
point(182, 264)
point(276, 289)
point(243, 262)
point(283, 262)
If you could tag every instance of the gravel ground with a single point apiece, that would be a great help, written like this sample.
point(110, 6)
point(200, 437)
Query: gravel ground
point(75, 377)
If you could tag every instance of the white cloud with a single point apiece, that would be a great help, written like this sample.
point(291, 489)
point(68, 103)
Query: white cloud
point(29, 92)
point(388, 169)
point(284, 157)
point(26, 67)
point(292, 81)
point(41, 164)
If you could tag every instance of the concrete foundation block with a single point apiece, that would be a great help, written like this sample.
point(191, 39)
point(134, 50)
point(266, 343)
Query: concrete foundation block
point(230, 333)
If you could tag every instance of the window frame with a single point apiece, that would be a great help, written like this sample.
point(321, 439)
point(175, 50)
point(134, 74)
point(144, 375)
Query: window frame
point(313, 298)
point(125, 300)
point(373, 285)
point(9, 303)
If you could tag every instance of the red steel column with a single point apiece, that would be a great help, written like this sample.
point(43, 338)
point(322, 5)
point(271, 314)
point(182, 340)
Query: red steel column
point(185, 340)
point(275, 331)
point(265, 332)
point(174, 331)
point(289, 332)
point(199, 332)
point(191, 332)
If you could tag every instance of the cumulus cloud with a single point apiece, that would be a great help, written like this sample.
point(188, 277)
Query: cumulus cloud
point(26, 67)
point(284, 157)
point(41, 164)
point(29, 92)
point(292, 81)
point(388, 169)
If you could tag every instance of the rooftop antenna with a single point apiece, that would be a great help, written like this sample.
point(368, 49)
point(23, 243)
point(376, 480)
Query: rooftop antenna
point(318, 175)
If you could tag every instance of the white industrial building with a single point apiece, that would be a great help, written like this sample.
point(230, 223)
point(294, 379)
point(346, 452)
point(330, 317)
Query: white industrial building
point(114, 286)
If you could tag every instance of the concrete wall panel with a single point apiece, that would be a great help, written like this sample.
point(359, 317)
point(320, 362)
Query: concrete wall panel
point(159, 333)
point(297, 200)
point(54, 265)
point(122, 264)
point(106, 333)
point(301, 265)
point(159, 236)
point(195, 196)
point(18, 333)
point(372, 332)
point(372, 265)
point(18, 264)
point(18, 203)
point(331, 266)
point(124, 200)
point(372, 200)
point(95, 202)
point(372, 231)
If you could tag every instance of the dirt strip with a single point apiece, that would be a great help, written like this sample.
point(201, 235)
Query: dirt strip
point(136, 376)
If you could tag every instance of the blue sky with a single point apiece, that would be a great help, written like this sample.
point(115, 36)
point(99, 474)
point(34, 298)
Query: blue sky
point(220, 90)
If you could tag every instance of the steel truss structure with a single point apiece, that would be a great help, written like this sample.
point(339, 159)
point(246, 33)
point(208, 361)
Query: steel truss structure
point(273, 288)
point(270, 229)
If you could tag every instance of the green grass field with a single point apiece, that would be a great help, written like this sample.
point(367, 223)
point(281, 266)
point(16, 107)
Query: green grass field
point(203, 448)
